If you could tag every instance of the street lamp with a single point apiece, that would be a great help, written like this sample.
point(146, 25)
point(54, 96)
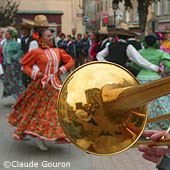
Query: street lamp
point(115, 6)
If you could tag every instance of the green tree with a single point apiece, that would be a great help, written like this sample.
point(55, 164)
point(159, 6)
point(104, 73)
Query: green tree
point(143, 9)
point(8, 11)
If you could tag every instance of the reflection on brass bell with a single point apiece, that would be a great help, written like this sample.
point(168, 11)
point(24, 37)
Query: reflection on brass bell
point(102, 108)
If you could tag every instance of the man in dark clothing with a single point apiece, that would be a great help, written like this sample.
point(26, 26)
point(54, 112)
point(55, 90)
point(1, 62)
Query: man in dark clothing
point(135, 43)
point(79, 55)
point(102, 34)
point(85, 47)
point(120, 52)
point(27, 44)
point(62, 43)
point(71, 48)
point(104, 42)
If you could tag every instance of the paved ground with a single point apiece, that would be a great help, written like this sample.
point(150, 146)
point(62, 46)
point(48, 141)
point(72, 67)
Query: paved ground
point(27, 152)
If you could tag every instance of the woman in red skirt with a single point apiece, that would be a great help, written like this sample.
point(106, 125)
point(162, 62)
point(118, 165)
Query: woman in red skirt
point(35, 112)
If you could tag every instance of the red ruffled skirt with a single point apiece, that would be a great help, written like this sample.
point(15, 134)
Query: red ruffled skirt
point(35, 113)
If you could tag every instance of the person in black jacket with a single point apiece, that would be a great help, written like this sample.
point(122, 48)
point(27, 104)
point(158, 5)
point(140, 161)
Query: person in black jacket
point(79, 55)
point(121, 52)
point(62, 43)
point(27, 44)
point(71, 48)
point(137, 44)
point(85, 47)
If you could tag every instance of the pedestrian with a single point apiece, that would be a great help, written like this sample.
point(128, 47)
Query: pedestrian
point(12, 54)
point(155, 56)
point(94, 48)
point(71, 48)
point(79, 47)
point(35, 112)
point(62, 43)
point(57, 38)
point(68, 43)
point(85, 47)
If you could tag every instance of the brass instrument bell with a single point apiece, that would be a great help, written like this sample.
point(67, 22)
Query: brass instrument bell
point(103, 109)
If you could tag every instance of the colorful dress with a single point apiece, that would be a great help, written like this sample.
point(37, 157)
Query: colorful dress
point(35, 112)
point(166, 44)
point(161, 105)
point(11, 79)
point(164, 49)
point(162, 66)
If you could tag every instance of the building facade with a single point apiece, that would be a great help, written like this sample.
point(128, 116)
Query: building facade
point(161, 13)
point(67, 14)
point(103, 14)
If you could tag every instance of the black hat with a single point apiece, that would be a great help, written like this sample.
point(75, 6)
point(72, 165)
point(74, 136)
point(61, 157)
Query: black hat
point(151, 39)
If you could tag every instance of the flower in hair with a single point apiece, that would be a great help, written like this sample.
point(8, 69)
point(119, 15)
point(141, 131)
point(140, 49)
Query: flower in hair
point(160, 35)
point(36, 36)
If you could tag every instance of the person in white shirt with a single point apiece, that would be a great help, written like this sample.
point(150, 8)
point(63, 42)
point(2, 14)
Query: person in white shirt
point(120, 52)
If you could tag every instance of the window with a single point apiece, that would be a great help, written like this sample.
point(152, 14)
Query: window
point(106, 5)
point(166, 6)
point(98, 7)
point(161, 7)
point(110, 3)
point(156, 8)
point(136, 15)
point(101, 6)
point(127, 16)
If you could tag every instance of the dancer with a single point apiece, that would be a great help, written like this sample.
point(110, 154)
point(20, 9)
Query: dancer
point(12, 54)
point(35, 112)
point(27, 44)
point(121, 52)
point(155, 56)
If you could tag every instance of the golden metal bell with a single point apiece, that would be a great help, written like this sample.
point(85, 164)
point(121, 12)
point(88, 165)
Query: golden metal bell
point(102, 107)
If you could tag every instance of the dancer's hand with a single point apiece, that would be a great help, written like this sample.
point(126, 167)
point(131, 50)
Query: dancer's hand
point(160, 71)
point(154, 154)
point(60, 72)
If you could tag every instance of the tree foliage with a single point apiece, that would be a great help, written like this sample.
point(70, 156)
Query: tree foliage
point(143, 10)
point(8, 11)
